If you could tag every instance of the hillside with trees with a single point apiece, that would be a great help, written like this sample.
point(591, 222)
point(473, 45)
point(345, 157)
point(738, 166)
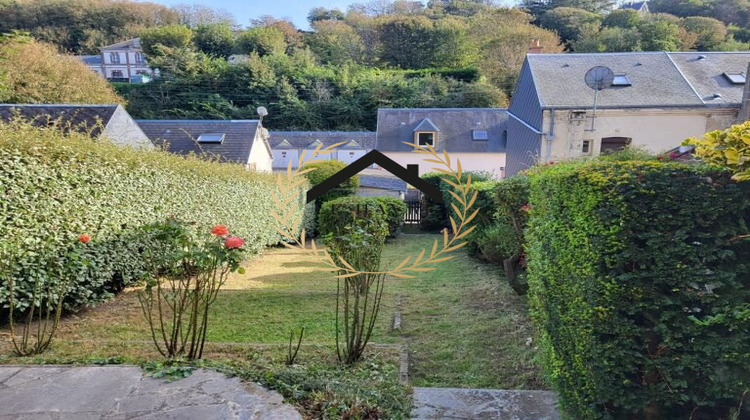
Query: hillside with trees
point(381, 53)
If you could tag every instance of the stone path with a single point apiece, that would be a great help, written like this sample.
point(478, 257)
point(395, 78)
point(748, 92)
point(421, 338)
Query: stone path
point(483, 404)
point(123, 392)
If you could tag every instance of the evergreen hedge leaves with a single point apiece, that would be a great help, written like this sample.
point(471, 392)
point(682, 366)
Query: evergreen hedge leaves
point(57, 186)
point(639, 283)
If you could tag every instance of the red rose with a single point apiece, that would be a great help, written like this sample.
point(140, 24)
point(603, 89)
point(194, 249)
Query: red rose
point(219, 230)
point(84, 238)
point(234, 242)
point(526, 207)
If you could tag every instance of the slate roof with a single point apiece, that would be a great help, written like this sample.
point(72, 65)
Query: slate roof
point(303, 139)
point(383, 182)
point(134, 43)
point(77, 117)
point(635, 6)
point(91, 60)
point(181, 137)
point(659, 79)
point(706, 75)
point(397, 125)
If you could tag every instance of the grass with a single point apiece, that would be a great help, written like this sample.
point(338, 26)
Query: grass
point(464, 327)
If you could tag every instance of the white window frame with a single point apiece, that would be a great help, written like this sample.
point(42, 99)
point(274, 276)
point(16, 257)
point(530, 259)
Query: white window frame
point(434, 137)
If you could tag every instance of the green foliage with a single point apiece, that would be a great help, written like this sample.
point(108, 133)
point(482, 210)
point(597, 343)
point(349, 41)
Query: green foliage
point(83, 26)
point(325, 169)
point(710, 32)
point(170, 36)
point(343, 211)
point(34, 72)
point(613, 39)
point(184, 273)
point(622, 18)
point(569, 22)
point(58, 186)
point(629, 263)
point(214, 39)
point(263, 40)
point(728, 149)
point(659, 34)
point(433, 215)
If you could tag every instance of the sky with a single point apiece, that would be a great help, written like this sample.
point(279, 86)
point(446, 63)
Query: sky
point(243, 11)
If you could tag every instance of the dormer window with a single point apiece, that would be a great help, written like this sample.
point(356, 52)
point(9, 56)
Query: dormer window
point(425, 138)
point(211, 138)
point(426, 133)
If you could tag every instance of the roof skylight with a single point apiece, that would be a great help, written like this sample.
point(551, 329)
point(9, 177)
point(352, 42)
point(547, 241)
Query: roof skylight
point(479, 135)
point(735, 78)
point(621, 80)
point(211, 138)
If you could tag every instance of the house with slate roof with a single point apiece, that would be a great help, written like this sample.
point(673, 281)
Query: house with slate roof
point(120, 62)
point(638, 6)
point(476, 136)
point(107, 121)
point(288, 146)
point(657, 100)
point(234, 141)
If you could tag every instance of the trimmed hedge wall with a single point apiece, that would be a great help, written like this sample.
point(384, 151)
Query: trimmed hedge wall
point(434, 215)
point(340, 212)
point(640, 287)
point(57, 186)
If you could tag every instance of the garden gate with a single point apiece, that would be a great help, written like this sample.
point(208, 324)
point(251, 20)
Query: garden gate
point(413, 202)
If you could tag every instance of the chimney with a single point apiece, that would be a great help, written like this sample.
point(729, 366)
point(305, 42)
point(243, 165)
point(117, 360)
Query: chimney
point(744, 114)
point(413, 170)
point(536, 47)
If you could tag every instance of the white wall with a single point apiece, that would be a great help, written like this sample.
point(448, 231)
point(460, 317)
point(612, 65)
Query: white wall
point(350, 155)
point(281, 158)
point(489, 162)
point(656, 130)
point(260, 159)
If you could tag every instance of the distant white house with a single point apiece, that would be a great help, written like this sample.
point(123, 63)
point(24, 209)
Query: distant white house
point(121, 62)
point(288, 145)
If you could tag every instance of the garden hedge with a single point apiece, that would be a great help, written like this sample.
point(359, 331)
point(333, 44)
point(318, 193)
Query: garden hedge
point(341, 211)
point(639, 276)
point(434, 215)
point(57, 186)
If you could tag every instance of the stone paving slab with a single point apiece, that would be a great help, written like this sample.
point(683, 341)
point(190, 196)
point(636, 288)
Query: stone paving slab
point(125, 393)
point(483, 404)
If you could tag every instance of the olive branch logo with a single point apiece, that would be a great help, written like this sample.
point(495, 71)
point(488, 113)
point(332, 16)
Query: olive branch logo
point(287, 202)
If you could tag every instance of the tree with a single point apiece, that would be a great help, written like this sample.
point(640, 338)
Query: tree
point(622, 18)
point(540, 7)
point(568, 22)
point(35, 72)
point(292, 35)
point(710, 33)
point(171, 36)
point(321, 13)
point(264, 40)
point(503, 36)
point(335, 42)
point(413, 42)
point(659, 34)
point(215, 39)
point(193, 15)
point(613, 39)
point(82, 26)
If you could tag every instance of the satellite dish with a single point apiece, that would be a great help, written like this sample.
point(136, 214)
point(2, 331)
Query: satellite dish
point(262, 111)
point(599, 78)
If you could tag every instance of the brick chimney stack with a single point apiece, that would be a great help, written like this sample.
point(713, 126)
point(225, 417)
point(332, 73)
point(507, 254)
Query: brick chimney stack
point(536, 47)
point(744, 114)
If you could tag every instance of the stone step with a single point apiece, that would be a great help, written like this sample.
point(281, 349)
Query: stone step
point(483, 404)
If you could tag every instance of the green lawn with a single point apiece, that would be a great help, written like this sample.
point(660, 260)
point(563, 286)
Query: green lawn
point(463, 326)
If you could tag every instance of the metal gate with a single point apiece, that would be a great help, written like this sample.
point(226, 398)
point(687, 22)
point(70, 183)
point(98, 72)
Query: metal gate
point(413, 211)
